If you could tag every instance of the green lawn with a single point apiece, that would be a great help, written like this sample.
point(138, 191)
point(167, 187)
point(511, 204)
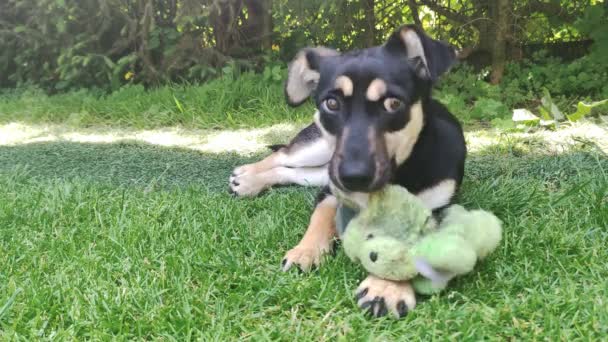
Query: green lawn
point(119, 237)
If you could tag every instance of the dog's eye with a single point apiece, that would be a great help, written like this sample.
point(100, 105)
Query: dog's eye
point(392, 104)
point(331, 105)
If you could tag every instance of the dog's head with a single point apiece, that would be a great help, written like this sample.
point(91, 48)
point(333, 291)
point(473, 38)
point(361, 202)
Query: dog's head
point(369, 102)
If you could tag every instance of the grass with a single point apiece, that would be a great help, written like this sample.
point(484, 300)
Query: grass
point(248, 101)
point(107, 234)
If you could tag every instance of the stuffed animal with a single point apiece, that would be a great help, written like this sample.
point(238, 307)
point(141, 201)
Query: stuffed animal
point(396, 237)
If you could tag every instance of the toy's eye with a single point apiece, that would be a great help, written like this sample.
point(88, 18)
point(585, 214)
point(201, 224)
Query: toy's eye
point(373, 256)
point(392, 104)
point(331, 105)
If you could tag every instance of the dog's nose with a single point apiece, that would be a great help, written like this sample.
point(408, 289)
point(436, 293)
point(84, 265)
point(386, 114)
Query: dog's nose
point(356, 176)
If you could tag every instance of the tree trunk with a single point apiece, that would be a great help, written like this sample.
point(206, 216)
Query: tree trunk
point(258, 28)
point(500, 12)
point(370, 22)
point(224, 15)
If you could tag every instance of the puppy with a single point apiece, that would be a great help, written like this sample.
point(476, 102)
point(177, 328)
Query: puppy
point(376, 124)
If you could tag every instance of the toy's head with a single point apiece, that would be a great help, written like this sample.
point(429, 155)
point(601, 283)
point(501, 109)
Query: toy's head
point(396, 238)
point(382, 236)
point(381, 255)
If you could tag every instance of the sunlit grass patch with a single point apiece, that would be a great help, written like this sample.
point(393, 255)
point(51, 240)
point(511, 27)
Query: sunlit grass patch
point(242, 141)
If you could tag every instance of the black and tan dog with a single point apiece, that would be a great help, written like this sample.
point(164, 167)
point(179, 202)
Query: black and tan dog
point(376, 124)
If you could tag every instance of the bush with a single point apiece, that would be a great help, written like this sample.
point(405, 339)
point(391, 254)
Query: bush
point(466, 93)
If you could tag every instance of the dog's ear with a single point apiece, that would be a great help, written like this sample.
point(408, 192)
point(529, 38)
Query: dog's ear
point(303, 74)
point(430, 58)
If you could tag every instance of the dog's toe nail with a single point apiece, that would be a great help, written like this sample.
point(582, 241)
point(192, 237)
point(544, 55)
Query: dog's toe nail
point(283, 262)
point(366, 305)
point(361, 294)
point(235, 183)
point(402, 308)
point(381, 308)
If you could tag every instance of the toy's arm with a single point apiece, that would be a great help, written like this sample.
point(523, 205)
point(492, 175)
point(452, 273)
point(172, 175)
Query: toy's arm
point(447, 254)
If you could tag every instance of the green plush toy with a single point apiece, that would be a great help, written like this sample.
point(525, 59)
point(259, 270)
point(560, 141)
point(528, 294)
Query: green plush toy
point(396, 237)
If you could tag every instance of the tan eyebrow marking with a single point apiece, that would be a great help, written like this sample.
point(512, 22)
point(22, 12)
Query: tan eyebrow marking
point(345, 84)
point(376, 89)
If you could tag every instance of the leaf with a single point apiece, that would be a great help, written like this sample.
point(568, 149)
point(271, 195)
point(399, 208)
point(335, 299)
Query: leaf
point(550, 106)
point(178, 104)
point(524, 116)
point(582, 109)
point(504, 124)
point(489, 108)
point(544, 114)
point(153, 43)
point(9, 302)
point(267, 74)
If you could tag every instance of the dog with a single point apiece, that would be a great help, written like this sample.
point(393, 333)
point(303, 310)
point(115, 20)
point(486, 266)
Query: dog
point(375, 124)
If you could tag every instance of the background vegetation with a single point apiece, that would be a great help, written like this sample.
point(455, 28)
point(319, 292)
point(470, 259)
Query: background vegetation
point(515, 54)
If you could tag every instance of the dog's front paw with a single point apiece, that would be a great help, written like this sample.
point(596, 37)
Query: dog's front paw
point(305, 258)
point(379, 297)
point(247, 184)
point(243, 170)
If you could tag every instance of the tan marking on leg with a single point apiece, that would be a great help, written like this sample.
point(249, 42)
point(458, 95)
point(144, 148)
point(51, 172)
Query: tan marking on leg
point(375, 90)
point(317, 240)
point(345, 84)
point(400, 144)
point(397, 297)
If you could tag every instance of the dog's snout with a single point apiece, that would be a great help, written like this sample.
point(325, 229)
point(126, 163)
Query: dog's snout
point(356, 175)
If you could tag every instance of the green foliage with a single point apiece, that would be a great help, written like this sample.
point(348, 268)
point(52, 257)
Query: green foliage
point(232, 100)
point(58, 45)
point(486, 108)
point(525, 85)
point(594, 23)
point(583, 109)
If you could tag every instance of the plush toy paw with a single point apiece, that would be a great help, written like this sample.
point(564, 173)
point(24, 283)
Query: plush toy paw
point(380, 297)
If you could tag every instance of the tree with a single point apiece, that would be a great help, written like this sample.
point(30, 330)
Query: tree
point(496, 24)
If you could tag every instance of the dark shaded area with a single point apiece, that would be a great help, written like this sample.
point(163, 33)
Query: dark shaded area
point(123, 163)
point(523, 161)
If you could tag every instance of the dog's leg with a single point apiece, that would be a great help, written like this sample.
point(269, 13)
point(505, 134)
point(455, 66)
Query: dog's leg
point(307, 153)
point(381, 297)
point(318, 239)
point(251, 184)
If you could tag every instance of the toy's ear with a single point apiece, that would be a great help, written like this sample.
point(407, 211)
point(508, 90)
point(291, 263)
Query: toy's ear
point(430, 58)
point(303, 74)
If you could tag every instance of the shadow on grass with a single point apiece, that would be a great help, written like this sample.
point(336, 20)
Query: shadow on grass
point(132, 163)
point(122, 163)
